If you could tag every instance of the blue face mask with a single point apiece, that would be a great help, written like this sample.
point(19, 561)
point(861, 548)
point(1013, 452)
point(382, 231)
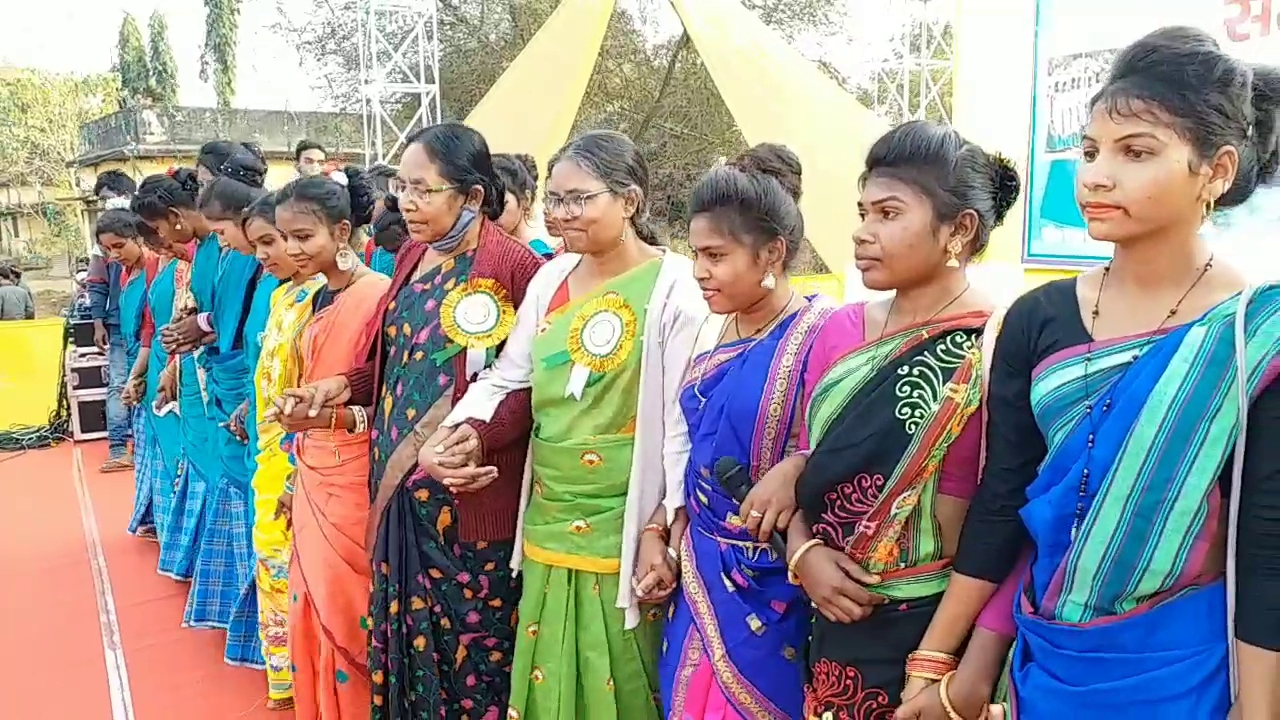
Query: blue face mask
point(450, 241)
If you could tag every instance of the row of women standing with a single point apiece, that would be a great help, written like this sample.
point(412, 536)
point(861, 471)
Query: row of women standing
point(566, 484)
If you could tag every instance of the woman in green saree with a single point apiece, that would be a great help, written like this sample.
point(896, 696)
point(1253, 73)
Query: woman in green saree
point(603, 338)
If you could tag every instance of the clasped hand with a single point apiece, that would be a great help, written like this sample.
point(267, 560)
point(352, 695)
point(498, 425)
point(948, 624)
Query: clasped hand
point(837, 585)
point(453, 455)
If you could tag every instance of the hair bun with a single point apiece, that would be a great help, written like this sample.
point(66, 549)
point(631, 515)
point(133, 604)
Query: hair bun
point(245, 167)
point(363, 194)
point(1266, 121)
point(1008, 185)
point(529, 163)
point(187, 180)
point(775, 161)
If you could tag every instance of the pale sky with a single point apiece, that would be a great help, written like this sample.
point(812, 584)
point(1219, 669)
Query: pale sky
point(79, 36)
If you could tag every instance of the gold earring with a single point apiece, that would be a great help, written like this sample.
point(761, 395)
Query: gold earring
point(953, 254)
point(769, 281)
point(1207, 210)
point(177, 226)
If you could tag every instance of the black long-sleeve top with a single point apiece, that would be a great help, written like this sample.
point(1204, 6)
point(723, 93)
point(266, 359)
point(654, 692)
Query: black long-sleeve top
point(1039, 324)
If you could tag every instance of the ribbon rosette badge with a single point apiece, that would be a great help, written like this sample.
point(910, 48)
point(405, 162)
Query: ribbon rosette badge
point(601, 337)
point(477, 315)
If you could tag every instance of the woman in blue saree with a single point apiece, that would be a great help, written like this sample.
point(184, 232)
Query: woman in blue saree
point(167, 202)
point(1114, 432)
point(733, 644)
point(223, 592)
point(119, 233)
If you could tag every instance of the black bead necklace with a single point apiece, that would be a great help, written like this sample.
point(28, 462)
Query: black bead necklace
point(1106, 401)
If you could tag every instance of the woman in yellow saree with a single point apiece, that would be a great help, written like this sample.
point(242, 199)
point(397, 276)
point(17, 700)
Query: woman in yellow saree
point(279, 367)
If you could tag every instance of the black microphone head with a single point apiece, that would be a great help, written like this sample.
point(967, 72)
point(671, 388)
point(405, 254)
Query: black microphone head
point(726, 467)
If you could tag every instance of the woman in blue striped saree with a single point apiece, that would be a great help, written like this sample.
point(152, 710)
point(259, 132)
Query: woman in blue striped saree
point(733, 644)
point(1114, 428)
point(164, 452)
point(167, 202)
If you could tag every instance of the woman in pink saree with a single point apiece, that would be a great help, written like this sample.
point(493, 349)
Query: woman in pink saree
point(329, 574)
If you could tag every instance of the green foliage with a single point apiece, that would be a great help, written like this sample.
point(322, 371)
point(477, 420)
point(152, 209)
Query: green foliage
point(65, 232)
point(218, 59)
point(164, 69)
point(40, 118)
point(131, 64)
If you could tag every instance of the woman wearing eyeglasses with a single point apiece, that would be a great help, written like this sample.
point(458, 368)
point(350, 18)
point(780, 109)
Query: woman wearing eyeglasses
point(603, 341)
point(442, 534)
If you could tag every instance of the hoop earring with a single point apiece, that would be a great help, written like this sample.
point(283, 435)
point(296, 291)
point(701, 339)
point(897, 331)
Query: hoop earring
point(769, 281)
point(953, 253)
point(346, 259)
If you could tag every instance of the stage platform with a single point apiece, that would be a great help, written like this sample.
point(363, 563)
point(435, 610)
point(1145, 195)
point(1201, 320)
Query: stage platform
point(91, 632)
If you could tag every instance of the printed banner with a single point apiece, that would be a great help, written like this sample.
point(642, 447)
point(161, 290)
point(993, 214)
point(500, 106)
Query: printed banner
point(1075, 45)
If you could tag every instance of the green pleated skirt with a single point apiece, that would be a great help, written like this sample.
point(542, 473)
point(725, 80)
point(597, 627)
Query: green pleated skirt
point(573, 659)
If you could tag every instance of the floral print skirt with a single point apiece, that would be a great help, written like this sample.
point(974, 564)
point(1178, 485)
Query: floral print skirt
point(857, 670)
point(442, 614)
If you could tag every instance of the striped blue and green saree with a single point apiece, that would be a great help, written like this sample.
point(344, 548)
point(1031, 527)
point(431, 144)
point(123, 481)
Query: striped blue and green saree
point(1125, 610)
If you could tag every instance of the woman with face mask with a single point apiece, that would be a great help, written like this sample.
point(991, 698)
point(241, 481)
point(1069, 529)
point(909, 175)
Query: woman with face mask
point(120, 235)
point(1115, 448)
point(442, 533)
point(742, 402)
point(890, 444)
point(603, 341)
point(329, 572)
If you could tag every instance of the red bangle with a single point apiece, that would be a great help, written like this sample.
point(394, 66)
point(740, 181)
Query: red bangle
point(662, 530)
point(930, 665)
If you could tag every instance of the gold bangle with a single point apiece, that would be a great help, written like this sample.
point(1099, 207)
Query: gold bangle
point(945, 698)
point(809, 544)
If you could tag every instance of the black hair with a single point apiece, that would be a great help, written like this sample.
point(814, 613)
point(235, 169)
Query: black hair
point(519, 172)
point(305, 145)
point(953, 173)
point(158, 194)
point(755, 198)
point(227, 198)
point(332, 200)
point(263, 208)
point(381, 175)
point(116, 182)
point(1213, 100)
point(461, 156)
point(613, 159)
point(390, 227)
point(121, 223)
point(241, 161)
point(6, 273)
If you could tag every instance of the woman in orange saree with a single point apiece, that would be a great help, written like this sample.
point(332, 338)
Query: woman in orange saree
point(329, 574)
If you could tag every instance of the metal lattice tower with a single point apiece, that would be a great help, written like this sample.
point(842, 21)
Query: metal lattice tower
point(911, 78)
point(399, 74)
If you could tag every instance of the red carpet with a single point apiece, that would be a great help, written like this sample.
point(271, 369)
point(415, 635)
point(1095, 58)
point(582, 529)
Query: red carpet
point(55, 667)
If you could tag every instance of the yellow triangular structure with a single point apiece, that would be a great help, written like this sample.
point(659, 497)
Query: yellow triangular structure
point(531, 108)
point(776, 95)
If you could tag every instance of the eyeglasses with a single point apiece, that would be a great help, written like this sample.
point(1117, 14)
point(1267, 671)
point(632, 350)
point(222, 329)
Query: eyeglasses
point(421, 193)
point(574, 205)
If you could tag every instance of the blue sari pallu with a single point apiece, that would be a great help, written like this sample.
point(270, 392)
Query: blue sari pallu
point(224, 564)
point(1119, 618)
point(133, 304)
point(164, 443)
point(200, 463)
point(736, 631)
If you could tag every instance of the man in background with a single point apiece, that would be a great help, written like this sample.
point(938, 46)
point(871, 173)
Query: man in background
point(114, 189)
point(15, 302)
point(309, 157)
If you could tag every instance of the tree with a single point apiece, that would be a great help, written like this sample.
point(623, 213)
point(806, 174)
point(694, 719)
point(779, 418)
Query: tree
point(131, 64)
point(164, 69)
point(218, 58)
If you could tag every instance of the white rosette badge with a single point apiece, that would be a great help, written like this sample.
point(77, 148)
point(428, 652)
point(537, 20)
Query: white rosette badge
point(601, 338)
point(477, 315)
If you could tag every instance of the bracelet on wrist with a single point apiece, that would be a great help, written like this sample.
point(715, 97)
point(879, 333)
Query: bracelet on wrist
point(945, 696)
point(663, 532)
point(809, 544)
point(930, 665)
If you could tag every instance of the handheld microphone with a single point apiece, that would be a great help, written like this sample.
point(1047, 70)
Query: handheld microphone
point(733, 478)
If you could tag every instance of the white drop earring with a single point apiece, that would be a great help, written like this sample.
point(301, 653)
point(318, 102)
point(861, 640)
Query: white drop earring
point(769, 281)
point(346, 259)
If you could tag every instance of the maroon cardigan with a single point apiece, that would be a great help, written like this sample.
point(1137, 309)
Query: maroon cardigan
point(489, 514)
